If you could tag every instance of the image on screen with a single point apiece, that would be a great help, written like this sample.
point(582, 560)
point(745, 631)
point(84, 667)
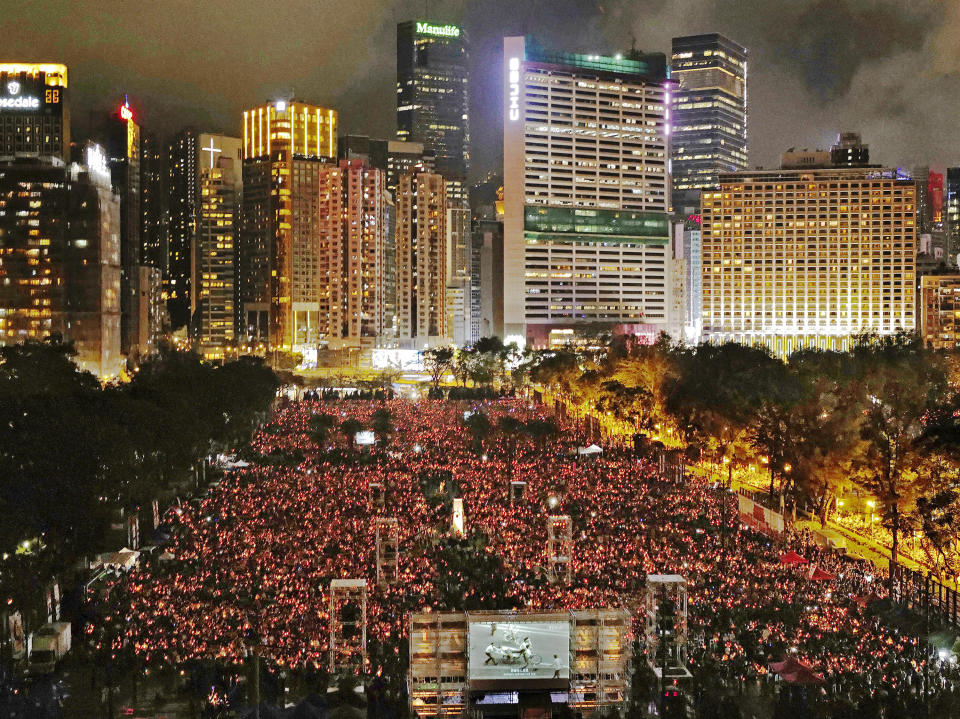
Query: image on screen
point(520, 651)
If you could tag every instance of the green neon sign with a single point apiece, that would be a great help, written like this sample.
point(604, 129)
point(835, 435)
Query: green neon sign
point(425, 28)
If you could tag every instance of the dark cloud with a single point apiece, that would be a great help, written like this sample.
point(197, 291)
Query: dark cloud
point(890, 69)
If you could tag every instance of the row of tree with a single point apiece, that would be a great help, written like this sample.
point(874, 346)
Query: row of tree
point(487, 363)
point(323, 425)
point(73, 452)
point(883, 417)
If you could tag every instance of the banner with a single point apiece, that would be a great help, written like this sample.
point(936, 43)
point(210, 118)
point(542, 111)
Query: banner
point(759, 517)
point(156, 514)
point(133, 531)
point(15, 628)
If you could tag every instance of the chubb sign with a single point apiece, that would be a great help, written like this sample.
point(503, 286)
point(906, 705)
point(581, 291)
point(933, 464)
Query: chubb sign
point(513, 80)
point(425, 28)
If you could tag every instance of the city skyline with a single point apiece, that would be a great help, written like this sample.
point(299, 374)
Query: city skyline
point(830, 62)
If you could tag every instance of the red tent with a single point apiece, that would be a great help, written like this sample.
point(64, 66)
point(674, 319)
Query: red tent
point(867, 599)
point(794, 671)
point(803, 675)
point(818, 575)
point(792, 558)
point(787, 666)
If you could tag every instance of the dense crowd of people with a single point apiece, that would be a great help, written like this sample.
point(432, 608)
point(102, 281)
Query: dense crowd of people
point(249, 566)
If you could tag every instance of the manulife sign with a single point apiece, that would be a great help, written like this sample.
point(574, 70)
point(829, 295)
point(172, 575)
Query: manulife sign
point(425, 28)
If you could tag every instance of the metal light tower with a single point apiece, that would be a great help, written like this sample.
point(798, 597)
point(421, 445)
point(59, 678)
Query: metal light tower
point(348, 625)
point(560, 548)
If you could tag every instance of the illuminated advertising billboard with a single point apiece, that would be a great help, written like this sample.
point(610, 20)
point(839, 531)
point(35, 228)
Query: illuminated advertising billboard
point(515, 655)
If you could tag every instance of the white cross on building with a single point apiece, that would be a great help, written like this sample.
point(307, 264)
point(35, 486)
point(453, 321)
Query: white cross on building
point(212, 150)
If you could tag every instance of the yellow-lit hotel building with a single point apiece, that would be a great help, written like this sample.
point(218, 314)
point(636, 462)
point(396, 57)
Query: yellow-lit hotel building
point(285, 146)
point(798, 258)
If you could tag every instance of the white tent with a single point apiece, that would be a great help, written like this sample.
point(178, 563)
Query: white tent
point(592, 449)
point(125, 559)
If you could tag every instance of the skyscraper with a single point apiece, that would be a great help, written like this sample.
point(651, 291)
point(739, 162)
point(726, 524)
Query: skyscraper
point(422, 259)
point(60, 257)
point(153, 202)
point(849, 151)
point(213, 290)
point(183, 163)
point(285, 146)
point(586, 231)
point(432, 93)
point(351, 262)
point(394, 157)
point(140, 322)
point(34, 110)
point(709, 115)
point(800, 258)
point(952, 211)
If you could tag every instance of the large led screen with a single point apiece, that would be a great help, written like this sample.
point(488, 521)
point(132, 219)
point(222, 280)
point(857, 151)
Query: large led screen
point(534, 654)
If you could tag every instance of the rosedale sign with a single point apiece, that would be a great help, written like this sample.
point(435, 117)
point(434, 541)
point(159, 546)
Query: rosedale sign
point(425, 28)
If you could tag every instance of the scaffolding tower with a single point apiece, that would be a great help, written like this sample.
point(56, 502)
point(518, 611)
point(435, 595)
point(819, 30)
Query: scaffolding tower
point(388, 549)
point(377, 495)
point(348, 625)
point(559, 548)
point(666, 630)
point(517, 490)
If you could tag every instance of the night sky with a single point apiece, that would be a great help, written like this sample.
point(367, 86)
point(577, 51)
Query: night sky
point(890, 69)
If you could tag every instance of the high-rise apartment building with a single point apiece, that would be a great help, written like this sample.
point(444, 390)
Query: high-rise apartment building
point(586, 193)
point(952, 212)
point(286, 144)
point(432, 94)
point(422, 259)
point(60, 257)
point(808, 257)
point(140, 324)
point(394, 157)
point(389, 268)
point(34, 110)
point(351, 258)
point(183, 190)
point(153, 201)
point(938, 311)
point(213, 286)
point(692, 253)
point(709, 120)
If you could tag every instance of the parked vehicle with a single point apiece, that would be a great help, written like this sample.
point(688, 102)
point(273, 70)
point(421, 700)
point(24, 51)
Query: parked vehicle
point(49, 645)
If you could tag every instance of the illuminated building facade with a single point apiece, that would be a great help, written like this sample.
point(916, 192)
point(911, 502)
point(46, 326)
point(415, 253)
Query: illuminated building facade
point(422, 259)
point(351, 259)
point(285, 146)
point(215, 256)
point(183, 168)
point(153, 202)
point(586, 193)
point(60, 257)
point(938, 311)
point(709, 122)
point(394, 157)
point(432, 93)
point(34, 110)
point(808, 258)
point(952, 212)
point(141, 324)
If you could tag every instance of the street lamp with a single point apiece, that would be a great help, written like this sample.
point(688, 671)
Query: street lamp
point(872, 505)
